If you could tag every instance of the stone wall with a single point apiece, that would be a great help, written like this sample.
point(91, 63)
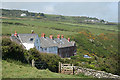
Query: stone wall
point(94, 73)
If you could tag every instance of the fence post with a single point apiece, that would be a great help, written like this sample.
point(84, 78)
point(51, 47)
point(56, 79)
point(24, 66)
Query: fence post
point(59, 67)
point(73, 69)
point(33, 63)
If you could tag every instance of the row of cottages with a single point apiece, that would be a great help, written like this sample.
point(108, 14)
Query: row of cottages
point(59, 46)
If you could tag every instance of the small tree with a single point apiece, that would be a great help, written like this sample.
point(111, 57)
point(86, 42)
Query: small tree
point(102, 21)
point(11, 50)
point(49, 61)
point(42, 14)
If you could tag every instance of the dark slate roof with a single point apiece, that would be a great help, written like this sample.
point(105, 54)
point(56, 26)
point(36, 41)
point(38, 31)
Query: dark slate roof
point(15, 39)
point(44, 42)
point(63, 42)
point(27, 38)
point(60, 43)
point(47, 42)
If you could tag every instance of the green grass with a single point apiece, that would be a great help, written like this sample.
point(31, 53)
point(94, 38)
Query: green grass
point(38, 27)
point(0, 69)
point(13, 70)
point(54, 27)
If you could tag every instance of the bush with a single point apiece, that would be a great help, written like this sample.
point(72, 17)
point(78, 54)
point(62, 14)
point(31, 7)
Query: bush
point(11, 50)
point(34, 54)
point(50, 61)
point(6, 42)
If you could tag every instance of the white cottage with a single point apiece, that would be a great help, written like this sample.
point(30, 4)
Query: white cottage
point(27, 40)
point(23, 14)
point(59, 46)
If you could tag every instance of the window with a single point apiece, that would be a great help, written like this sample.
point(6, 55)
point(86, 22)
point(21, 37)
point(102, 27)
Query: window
point(38, 47)
point(31, 39)
point(67, 55)
point(37, 40)
point(41, 48)
point(45, 48)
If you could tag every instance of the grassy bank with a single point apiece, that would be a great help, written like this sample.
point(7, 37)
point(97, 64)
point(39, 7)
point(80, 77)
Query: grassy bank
point(16, 70)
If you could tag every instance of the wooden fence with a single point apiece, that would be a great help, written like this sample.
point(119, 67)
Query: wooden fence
point(38, 64)
point(63, 68)
point(66, 68)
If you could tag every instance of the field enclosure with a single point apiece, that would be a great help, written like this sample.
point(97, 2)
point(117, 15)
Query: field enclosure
point(52, 27)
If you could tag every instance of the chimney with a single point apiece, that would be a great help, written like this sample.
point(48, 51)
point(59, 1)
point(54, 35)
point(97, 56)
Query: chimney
point(58, 36)
point(43, 35)
point(68, 39)
point(62, 36)
point(15, 34)
point(32, 31)
point(51, 36)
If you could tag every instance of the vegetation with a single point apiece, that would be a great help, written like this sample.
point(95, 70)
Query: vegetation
point(15, 69)
point(98, 40)
point(15, 63)
point(49, 61)
point(102, 49)
point(11, 50)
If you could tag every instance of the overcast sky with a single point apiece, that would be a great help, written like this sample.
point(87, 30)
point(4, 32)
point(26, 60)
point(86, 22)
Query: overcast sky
point(102, 10)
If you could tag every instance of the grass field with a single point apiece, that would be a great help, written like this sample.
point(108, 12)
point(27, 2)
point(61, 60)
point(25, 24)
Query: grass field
point(53, 27)
point(13, 70)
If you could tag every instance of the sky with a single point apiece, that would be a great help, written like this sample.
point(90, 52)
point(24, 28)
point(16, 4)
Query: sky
point(102, 10)
point(60, 0)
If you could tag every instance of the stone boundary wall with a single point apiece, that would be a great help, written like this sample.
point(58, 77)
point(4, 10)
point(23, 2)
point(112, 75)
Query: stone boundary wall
point(94, 73)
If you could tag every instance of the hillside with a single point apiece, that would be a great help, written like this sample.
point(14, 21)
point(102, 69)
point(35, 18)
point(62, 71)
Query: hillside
point(72, 19)
point(98, 40)
point(40, 22)
point(13, 70)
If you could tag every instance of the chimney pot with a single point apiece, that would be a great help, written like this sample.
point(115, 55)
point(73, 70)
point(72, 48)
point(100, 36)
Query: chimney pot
point(43, 35)
point(32, 31)
point(62, 36)
point(58, 36)
point(68, 39)
point(51, 36)
point(15, 34)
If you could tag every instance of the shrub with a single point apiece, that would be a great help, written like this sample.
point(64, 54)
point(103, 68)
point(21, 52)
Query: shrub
point(11, 50)
point(6, 42)
point(49, 61)
point(34, 54)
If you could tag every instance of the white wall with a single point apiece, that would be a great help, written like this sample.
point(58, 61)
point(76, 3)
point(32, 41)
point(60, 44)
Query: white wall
point(23, 14)
point(28, 45)
point(36, 44)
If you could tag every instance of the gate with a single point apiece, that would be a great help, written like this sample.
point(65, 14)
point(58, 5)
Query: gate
point(66, 68)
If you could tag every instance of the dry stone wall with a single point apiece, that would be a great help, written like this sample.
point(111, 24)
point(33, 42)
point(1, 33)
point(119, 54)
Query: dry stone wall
point(94, 73)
